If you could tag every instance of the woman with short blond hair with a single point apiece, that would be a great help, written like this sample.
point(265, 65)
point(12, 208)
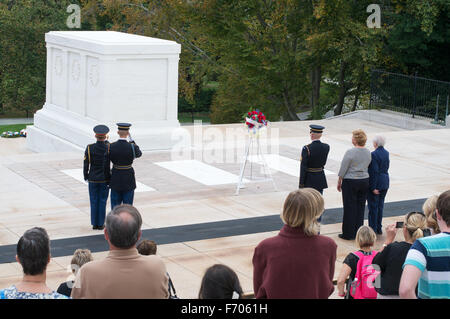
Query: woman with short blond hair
point(360, 137)
point(429, 209)
point(302, 209)
point(354, 184)
point(297, 263)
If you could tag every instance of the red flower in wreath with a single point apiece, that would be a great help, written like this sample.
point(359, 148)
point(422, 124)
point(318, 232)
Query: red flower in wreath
point(255, 118)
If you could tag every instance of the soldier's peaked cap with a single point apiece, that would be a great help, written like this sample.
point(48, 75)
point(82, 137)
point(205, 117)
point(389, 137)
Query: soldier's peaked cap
point(316, 128)
point(101, 129)
point(123, 126)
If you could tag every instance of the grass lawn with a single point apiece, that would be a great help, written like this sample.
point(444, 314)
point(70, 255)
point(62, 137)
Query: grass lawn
point(12, 127)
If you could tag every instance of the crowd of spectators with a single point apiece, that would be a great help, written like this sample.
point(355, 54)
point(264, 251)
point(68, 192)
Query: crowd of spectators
point(296, 263)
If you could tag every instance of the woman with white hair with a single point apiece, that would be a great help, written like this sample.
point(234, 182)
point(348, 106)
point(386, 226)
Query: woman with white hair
point(378, 183)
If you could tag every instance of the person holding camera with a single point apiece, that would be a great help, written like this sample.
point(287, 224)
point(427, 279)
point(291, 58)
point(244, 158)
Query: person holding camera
point(393, 254)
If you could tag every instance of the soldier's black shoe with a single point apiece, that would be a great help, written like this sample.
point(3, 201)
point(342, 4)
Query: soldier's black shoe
point(345, 238)
point(101, 227)
point(94, 227)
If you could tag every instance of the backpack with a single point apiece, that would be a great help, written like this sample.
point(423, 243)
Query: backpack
point(362, 286)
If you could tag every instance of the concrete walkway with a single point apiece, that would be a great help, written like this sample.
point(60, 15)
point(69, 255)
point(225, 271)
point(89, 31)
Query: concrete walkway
point(222, 227)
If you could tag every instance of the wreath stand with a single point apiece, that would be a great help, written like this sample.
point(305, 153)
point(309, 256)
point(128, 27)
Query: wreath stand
point(252, 140)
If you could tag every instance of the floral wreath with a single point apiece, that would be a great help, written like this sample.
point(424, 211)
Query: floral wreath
point(255, 120)
point(10, 134)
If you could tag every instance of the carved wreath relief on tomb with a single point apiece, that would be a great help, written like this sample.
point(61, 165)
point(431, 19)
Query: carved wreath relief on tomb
point(76, 70)
point(58, 65)
point(94, 75)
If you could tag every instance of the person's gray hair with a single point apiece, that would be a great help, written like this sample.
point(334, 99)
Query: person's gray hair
point(379, 140)
point(123, 232)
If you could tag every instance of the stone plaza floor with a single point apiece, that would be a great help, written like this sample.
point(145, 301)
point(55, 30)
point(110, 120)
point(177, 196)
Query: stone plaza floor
point(198, 188)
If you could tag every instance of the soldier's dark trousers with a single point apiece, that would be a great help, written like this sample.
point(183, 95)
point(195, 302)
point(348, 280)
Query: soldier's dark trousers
point(354, 196)
point(121, 197)
point(98, 196)
point(375, 204)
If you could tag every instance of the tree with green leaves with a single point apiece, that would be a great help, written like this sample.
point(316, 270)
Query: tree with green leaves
point(260, 50)
point(283, 56)
point(22, 50)
point(418, 38)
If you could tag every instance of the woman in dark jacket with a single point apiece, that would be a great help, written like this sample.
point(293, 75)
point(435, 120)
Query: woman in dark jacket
point(378, 183)
point(297, 263)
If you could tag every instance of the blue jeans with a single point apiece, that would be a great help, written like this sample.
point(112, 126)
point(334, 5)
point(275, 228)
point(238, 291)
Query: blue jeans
point(120, 197)
point(375, 204)
point(98, 195)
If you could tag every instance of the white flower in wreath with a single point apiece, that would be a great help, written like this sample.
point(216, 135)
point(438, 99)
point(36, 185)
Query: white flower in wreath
point(255, 130)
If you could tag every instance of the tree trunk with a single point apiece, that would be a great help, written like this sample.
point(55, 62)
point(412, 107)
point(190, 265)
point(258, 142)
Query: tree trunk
point(316, 76)
point(290, 108)
point(358, 89)
point(342, 89)
point(355, 103)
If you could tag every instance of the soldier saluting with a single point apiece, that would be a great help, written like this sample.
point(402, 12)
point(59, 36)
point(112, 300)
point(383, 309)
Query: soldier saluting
point(313, 160)
point(97, 173)
point(122, 154)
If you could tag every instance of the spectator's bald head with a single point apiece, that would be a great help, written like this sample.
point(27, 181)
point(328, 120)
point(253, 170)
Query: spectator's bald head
point(123, 225)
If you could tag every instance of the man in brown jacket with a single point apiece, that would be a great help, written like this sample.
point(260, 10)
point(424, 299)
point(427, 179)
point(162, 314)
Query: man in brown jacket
point(124, 273)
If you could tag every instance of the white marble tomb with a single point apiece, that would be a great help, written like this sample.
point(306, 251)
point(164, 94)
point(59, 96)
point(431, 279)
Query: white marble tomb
point(105, 77)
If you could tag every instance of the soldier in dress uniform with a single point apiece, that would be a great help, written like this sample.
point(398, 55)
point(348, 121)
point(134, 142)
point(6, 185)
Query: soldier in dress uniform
point(122, 154)
point(313, 160)
point(97, 173)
